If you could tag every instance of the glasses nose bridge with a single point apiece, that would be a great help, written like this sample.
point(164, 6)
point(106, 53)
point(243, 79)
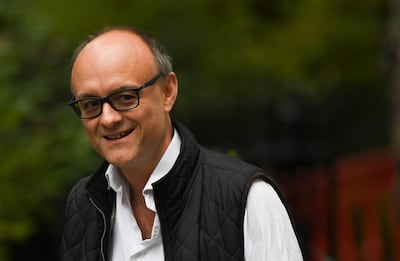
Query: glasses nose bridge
point(108, 114)
point(106, 100)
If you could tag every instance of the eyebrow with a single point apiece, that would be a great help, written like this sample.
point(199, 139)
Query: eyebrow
point(121, 88)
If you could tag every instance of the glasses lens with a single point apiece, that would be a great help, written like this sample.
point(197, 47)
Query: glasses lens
point(88, 107)
point(125, 100)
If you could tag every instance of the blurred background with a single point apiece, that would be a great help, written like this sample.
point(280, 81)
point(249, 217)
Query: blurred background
point(308, 90)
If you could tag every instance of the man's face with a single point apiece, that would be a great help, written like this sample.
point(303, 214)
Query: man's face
point(130, 139)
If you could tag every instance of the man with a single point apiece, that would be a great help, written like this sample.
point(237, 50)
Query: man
point(159, 195)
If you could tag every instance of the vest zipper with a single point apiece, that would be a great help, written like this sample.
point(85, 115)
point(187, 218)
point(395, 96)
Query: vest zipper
point(104, 231)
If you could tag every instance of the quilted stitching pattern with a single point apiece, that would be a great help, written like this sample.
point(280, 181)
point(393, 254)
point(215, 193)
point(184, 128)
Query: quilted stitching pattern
point(223, 197)
point(80, 219)
point(226, 213)
point(210, 224)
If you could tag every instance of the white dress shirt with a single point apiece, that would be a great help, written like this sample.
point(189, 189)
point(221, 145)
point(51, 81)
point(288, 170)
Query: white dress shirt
point(268, 233)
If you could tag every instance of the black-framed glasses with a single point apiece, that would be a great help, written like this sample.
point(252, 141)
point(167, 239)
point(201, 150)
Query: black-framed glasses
point(121, 100)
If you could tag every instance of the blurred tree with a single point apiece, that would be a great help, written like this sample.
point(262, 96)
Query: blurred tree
point(394, 65)
point(39, 140)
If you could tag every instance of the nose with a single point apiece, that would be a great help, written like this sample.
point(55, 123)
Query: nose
point(109, 117)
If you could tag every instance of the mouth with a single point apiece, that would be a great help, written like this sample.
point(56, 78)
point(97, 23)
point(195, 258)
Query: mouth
point(119, 135)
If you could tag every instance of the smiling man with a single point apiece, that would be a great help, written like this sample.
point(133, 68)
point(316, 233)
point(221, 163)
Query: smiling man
point(159, 195)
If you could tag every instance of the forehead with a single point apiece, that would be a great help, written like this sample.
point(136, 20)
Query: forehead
point(111, 54)
point(116, 46)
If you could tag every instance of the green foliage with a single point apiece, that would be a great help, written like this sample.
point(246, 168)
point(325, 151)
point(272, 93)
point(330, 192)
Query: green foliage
point(310, 71)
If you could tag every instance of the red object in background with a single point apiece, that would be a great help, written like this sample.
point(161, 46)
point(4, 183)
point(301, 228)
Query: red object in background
point(346, 211)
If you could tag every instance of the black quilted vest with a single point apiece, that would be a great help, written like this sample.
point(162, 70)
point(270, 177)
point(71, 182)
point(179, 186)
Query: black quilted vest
point(200, 204)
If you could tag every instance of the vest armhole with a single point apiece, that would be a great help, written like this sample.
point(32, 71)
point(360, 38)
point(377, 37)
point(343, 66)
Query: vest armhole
point(263, 176)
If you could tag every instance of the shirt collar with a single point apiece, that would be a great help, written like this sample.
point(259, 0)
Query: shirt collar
point(115, 179)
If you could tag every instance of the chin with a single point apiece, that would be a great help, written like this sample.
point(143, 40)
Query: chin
point(119, 162)
point(117, 159)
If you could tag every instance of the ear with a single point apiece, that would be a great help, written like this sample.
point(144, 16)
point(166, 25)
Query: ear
point(170, 91)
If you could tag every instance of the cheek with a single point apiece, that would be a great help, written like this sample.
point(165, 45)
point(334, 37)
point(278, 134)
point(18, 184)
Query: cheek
point(146, 112)
point(87, 125)
point(90, 131)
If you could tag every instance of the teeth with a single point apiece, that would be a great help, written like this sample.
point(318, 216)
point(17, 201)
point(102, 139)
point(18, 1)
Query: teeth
point(118, 136)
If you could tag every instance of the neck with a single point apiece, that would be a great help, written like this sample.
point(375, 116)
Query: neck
point(139, 173)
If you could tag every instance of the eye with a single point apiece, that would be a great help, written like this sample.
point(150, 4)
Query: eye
point(89, 104)
point(126, 97)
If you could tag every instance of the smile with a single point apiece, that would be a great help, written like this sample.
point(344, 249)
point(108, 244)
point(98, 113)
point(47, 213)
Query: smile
point(119, 135)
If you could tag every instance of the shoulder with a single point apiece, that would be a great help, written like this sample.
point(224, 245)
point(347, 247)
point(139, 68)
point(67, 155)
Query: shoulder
point(222, 172)
point(77, 197)
point(265, 192)
point(266, 217)
point(80, 224)
point(225, 167)
point(227, 163)
point(261, 190)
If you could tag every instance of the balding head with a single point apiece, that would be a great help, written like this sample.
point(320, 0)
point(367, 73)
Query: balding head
point(161, 56)
point(117, 52)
